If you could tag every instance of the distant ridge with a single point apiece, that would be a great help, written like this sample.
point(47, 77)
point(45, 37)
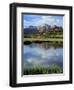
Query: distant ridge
point(42, 28)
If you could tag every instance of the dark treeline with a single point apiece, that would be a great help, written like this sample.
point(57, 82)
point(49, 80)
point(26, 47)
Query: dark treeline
point(45, 44)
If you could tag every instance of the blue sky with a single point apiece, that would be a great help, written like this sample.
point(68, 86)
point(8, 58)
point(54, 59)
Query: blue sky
point(36, 20)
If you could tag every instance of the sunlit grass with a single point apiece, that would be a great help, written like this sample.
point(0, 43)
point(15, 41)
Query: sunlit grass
point(42, 39)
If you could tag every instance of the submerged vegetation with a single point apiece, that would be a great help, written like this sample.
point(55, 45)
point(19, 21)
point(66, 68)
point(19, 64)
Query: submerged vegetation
point(53, 69)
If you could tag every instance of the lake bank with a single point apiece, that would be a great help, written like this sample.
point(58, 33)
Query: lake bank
point(44, 42)
point(43, 39)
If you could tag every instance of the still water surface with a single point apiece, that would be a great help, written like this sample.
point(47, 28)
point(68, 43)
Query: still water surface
point(42, 54)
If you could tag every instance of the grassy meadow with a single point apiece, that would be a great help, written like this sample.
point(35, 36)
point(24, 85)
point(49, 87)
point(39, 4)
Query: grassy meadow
point(38, 69)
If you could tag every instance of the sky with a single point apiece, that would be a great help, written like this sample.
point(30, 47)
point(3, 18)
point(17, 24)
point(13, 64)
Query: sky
point(37, 20)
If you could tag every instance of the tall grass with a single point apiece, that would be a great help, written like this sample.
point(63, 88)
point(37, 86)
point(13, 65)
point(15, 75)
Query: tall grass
point(43, 70)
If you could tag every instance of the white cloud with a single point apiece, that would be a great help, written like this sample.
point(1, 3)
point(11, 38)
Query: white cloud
point(43, 20)
point(40, 55)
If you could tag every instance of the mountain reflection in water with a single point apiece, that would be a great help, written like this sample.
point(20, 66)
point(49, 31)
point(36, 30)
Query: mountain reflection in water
point(42, 54)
